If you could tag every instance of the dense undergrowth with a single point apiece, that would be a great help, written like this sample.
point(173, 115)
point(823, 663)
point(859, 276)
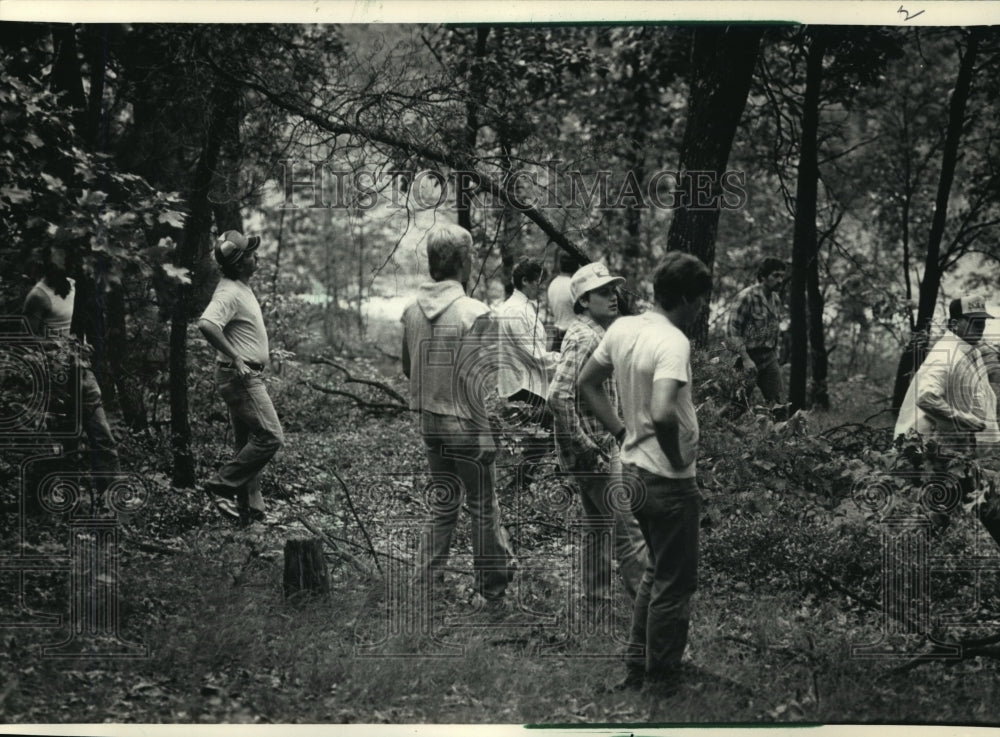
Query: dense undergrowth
point(792, 604)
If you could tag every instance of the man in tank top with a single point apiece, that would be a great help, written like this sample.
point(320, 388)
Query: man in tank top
point(49, 309)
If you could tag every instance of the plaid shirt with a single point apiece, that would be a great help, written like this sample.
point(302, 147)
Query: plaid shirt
point(578, 432)
point(755, 318)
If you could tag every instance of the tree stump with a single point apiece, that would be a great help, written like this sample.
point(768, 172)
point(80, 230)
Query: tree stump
point(305, 567)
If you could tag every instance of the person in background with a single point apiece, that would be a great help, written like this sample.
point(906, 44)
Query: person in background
point(586, 449)
point(950, 400)
point(444, 321)
point(753, 330)
point(560, 298)
point(524, 365)
point(650, 357)
point(233, 325)
point(49, 308)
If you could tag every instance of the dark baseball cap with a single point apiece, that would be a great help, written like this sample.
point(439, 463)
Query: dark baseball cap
point(233, 245)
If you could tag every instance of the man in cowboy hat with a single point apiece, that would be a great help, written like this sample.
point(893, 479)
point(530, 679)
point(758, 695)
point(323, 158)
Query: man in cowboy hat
point(233, 324)
point(586, 449)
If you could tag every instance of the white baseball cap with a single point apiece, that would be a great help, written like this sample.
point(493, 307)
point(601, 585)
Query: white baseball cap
point(590, 277)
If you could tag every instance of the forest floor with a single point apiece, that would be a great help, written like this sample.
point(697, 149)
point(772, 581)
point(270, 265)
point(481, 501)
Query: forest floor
point(213, 639)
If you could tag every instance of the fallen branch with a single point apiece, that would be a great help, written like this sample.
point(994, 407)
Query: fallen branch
point(364, 531)
point(335, 549)
point(787, 650)
point(972, 648)
point(396, 558)
point(837, 585)
point(386, 353)
point(872, 417)
point(981, 641)
point(326, 510)
point(353, 380)
point(845, 426)
point(361, 402)
point(148, 547)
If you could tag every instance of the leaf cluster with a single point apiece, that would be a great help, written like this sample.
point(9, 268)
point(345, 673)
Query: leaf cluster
point(56, 190)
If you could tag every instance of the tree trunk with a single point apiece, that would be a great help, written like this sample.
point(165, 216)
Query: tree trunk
point(360, 239)
point(509, 239)
point(277, 257)
point(723, 62)
point(637, 101)
point(305, 567)
point(95, 50)
point(195, 241)
point(916, 350)
point(819, 359)
point(66, 76)
point(127, 388)
point(472, 105)
point(807, 325)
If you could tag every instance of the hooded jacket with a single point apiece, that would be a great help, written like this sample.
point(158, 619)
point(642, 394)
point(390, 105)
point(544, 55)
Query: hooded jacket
point(447, 351)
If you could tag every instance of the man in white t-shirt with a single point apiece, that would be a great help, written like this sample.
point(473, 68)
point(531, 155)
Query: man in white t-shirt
point(649, 356)
point(233, 324)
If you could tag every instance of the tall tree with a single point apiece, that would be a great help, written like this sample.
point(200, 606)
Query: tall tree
point(196, 241)
point(935, 261)
point(723, 61)
point(807, 320)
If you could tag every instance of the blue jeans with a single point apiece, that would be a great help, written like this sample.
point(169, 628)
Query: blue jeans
point(768, 374)
point(461, 465)
point(104, 456)
point(257, 434)
point(669, 516)
point(605, 511)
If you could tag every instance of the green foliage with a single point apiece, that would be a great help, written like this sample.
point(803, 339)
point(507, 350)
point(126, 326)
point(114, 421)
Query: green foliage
point(55, 189)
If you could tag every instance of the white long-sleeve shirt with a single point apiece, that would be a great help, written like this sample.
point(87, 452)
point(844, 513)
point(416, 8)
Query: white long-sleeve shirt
point(523, 362)
point(950, 389)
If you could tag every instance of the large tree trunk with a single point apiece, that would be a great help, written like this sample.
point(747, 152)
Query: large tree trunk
point(806, 324)
point(195, 241)
point(128, 389)
point(95, 50)
point(916, 350)
point(66, 75)
point(723, 62)
point(509, 240)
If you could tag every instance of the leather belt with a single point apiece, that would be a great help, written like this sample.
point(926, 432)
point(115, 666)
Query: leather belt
point(250, 364)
